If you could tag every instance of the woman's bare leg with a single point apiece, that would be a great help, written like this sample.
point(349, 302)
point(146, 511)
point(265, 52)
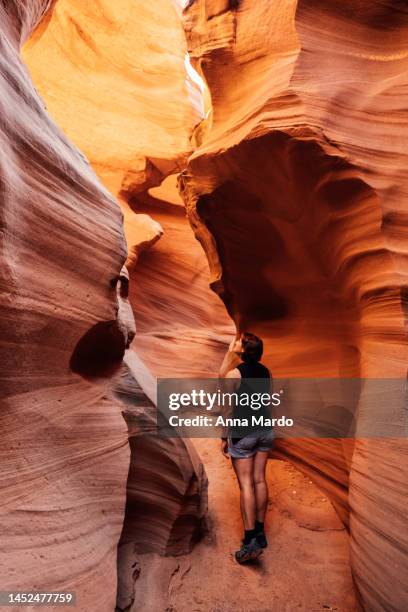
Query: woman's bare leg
point(261, 487)
point(244, 471)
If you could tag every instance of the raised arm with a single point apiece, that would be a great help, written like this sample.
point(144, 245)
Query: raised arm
point(230, 362)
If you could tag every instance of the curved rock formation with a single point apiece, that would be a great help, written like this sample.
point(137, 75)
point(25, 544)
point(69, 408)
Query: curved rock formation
point(64, 450)
point(182, 326)
point(130, 101)
point(127, 99)
point(66, 437)
point(166, 501)
point(298, 197)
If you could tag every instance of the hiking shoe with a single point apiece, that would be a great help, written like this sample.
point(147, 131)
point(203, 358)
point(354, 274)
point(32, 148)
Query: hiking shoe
point(261, 539)
point(248, 552)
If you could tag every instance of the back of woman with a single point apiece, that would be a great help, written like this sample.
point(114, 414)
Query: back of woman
point(249, 447)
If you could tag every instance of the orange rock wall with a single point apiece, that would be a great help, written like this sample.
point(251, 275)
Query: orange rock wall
point(64, 451)
point(114, 79)
point(183, 328)
point(130, 103)
point(298, 195)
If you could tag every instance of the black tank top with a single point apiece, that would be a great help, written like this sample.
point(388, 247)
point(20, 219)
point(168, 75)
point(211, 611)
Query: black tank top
point(253, 369)
point(248, 370)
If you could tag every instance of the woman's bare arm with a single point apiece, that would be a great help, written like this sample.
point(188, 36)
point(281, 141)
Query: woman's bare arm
point(230, 362)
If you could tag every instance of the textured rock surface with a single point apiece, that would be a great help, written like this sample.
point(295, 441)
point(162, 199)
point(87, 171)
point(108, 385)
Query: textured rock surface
point(182, 326)
point(151, 128)
point(167, 486)
point(298, 195)
point(166, 500)
point(64, 451)
point(115, 129)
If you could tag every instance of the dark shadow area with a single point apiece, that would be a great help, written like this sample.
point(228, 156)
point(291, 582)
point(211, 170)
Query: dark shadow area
point(99, 353)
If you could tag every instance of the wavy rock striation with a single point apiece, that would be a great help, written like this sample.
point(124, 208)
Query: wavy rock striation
point(127, 97)
point(64, 451)
point(298, 196)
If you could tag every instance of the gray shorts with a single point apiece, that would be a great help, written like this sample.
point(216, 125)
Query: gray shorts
point(247, 446)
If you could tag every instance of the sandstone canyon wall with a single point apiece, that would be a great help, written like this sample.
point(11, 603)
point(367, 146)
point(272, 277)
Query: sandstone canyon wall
point(298, 195)
point(64, 442)
point(130, 101)
point(114, 78)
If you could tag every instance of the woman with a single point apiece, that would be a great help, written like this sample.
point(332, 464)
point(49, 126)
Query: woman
point(249, 453)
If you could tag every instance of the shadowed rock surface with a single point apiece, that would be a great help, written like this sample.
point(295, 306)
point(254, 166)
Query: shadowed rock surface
point(166, 501)
point(167, 486)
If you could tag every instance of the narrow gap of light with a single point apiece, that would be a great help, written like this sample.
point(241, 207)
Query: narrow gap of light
point(193, 75)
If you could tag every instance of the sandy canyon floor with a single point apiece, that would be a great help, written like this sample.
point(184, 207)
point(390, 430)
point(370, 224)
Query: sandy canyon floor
point(305, 567)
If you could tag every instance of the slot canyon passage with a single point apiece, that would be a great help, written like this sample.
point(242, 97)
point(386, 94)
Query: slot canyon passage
point(252, 156)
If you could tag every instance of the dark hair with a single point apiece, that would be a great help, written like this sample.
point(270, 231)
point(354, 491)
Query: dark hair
point(252, 347)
